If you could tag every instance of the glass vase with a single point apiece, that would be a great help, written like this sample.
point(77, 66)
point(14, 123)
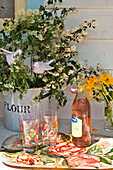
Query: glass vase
point(109, 117)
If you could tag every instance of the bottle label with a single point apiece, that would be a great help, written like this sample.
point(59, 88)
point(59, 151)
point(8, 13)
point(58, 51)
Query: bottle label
point(76, 127)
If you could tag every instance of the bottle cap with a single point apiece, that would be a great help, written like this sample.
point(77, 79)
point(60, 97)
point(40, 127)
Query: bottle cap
point(73, 90)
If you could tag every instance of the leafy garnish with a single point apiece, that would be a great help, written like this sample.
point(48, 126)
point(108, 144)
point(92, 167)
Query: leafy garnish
point(94, 149)
point(64, 163)
point(105, 160)
point(110, 151)
point(110, 157)
point(13, 154)
point(47, 159)
point(45, 151)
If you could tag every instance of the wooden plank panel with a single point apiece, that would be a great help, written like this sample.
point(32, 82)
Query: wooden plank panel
point(19, 4)
point(64, 112)
point(97, 109)
point(94, 4)
point(104, 18)
point(97, 51)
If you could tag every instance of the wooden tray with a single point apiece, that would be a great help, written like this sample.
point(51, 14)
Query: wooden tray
point(52, 167)
point(8, 160)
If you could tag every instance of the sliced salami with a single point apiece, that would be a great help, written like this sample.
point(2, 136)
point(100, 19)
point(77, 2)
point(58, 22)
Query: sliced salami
point(27, 159)
point(83, 160)
point(65, 149)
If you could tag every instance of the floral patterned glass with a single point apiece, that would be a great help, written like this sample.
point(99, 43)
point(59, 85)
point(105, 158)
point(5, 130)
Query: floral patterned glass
point(29, 127)
point(49, 126)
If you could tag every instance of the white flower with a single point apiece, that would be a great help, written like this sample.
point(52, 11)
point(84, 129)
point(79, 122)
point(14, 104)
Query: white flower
point(61, 80)
point(71, 72)
point(95, 24)
point(40, 37)
point(88, 21)
point(68, 33)
point(47, 89)
point(56, 74)
point(53, 86)
point(50, 72)
point(73, 29)
point(56, 45)
point(48, 85)
point(11, 69)
point(73, 48)
point(32, 21)
point(79, 39)
point(45, 79)
point(65, 76)
point(33, 33)
point(67, 55)
point(67, 49)
point(84, 32)
point(77, 62)
point(36, 11)
point(8, 86)
point(53, 82)
point(17, 68)
point(47, 46)
point(21, 12)
point(45, 30)
point(60, 69)
point(42, 12)
point(84, 24)
point(29, 12)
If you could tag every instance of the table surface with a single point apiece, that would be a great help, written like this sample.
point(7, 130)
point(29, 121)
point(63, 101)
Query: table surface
point(64, 127)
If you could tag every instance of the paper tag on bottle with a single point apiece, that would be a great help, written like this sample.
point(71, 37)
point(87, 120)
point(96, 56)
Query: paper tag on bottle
point(76, 127)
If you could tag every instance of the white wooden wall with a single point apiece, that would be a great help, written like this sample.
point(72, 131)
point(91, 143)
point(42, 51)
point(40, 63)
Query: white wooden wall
point(98, 46)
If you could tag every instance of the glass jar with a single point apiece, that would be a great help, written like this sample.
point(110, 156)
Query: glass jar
point(81, 120)
point(108, 125)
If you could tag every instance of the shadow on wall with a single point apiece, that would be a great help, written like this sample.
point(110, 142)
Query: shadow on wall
point(1, 105)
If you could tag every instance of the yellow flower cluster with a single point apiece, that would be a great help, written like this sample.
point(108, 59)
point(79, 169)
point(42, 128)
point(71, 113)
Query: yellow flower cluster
point(98, 85)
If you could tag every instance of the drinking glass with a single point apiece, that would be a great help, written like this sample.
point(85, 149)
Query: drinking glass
point(49, 126)
point(29, 127)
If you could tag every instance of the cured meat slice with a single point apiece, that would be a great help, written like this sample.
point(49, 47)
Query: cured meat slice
point(83, 160)
point(27, 159)
point(65, 149)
